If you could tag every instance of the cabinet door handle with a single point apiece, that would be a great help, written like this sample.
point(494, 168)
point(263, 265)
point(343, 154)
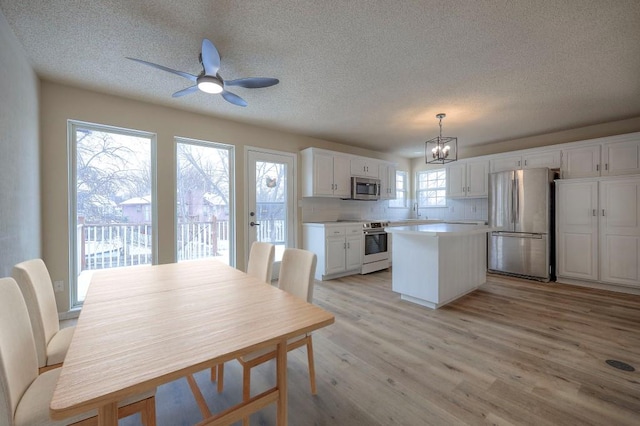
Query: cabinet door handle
point(468, 189)
point(594, 212)
point(525, 162)
point(606, 166)
point(519, 163)
point(603, 212)
point(344, 245)
point(597, 167)
point(349, 245)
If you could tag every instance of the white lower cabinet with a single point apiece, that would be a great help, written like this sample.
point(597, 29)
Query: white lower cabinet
point(339, 248)
point(598, 230)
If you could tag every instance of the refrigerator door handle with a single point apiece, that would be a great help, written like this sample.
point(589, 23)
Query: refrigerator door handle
point(517, 235)
point(513, 200)
point(516, 216)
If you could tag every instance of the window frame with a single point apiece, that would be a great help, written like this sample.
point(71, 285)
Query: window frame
point(232, 190)
point(405, 191)
point(72, 152)
point(443, 187)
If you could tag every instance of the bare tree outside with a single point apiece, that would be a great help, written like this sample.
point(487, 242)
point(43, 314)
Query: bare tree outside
point(203, 200)
point(113, 201)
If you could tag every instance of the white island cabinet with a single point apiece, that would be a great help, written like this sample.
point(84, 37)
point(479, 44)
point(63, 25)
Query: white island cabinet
point(438, 263)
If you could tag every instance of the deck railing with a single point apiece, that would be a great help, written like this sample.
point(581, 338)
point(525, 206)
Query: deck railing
point(126, 244)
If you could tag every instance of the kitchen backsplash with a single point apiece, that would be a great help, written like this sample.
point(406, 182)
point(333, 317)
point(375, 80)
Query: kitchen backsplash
point(331, 209)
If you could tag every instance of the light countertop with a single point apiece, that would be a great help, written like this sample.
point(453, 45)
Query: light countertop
point(440, 229)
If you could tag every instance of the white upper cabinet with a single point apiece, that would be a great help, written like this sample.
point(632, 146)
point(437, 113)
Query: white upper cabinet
point(504, 163)
point(621, 158)
point(612, 156)
point(467, 179)
point(387, 173)
point(366, 167)
point(543, 157)
point(581, 161)
point(325, 174)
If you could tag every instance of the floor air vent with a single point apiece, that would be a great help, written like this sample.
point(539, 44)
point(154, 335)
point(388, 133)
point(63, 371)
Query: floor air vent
point(620, 365)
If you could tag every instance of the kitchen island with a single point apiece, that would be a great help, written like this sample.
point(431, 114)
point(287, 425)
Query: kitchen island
point(437, 263)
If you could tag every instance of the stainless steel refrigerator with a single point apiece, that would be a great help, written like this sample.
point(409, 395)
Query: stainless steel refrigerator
point(520, 205)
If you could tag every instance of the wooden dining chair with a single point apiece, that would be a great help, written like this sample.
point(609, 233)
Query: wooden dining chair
point(296, 277)
point(25, 394)
point(35, 284)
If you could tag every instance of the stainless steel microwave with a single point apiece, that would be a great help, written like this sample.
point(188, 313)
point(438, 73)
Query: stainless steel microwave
point(365, 188)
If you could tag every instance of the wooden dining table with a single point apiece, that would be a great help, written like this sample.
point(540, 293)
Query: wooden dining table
point(144, 326)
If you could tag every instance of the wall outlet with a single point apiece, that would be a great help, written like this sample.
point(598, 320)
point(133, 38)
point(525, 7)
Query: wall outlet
point(58, 286)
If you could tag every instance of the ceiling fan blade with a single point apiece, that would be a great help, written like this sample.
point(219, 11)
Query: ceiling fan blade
point(210, 58)
point(253, 82)
point(234, 99)
point(163, 68)
point(186, 91)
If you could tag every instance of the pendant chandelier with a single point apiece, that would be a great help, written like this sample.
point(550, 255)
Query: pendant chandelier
point(441, 149)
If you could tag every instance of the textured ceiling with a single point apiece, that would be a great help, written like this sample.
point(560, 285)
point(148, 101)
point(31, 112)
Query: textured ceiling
point(366, 73)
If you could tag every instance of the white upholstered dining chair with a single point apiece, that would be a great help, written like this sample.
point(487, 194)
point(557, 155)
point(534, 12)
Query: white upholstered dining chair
point(35, 284)
point(261, 261)
point(296, 277)
point(25, 394)
point(260, 266)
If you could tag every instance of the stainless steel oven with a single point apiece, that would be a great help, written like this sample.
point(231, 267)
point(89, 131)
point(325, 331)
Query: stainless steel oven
point(376, 251)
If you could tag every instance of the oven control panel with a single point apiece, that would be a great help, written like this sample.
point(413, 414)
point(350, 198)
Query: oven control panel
point(375, 225)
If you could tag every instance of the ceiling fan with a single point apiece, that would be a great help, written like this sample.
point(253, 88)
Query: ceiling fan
point(209, 80)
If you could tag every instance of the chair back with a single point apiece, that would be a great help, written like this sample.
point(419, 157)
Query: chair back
point(35, 283)
point(261, 261)
point(296, 273)
point(18, 361)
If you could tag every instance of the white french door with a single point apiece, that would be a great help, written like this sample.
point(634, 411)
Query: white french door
point(271, 199)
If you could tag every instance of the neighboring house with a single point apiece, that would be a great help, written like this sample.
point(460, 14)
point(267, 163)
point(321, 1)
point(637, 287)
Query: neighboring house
point(137, 209)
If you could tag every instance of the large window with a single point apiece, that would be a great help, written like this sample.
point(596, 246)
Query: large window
point(401, 190)
point(204, 210)
point(112, 213)
point(431, 188)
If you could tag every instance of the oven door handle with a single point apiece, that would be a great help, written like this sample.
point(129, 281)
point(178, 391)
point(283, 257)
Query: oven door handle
point(374, 232)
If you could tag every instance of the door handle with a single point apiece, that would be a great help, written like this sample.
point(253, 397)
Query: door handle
point(254, 224)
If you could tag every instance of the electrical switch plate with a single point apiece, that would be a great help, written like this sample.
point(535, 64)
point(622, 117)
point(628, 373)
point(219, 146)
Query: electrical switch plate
point(58, 286)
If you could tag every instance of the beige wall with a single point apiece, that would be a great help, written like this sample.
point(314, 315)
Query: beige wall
point(19, 159)
point(61, 103)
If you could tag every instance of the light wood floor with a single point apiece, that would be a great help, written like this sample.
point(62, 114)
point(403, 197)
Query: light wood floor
point(512, 352)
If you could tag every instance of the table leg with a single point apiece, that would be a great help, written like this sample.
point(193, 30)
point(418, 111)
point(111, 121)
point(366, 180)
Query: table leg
point(281, 372)
point(108, 415)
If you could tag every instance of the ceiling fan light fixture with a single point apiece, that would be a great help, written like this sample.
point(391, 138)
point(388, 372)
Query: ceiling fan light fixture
point(210, 84)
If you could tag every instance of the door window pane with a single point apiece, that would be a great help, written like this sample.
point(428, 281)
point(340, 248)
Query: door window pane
point(204, 217)
point(112, 189)
point(271, 204)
